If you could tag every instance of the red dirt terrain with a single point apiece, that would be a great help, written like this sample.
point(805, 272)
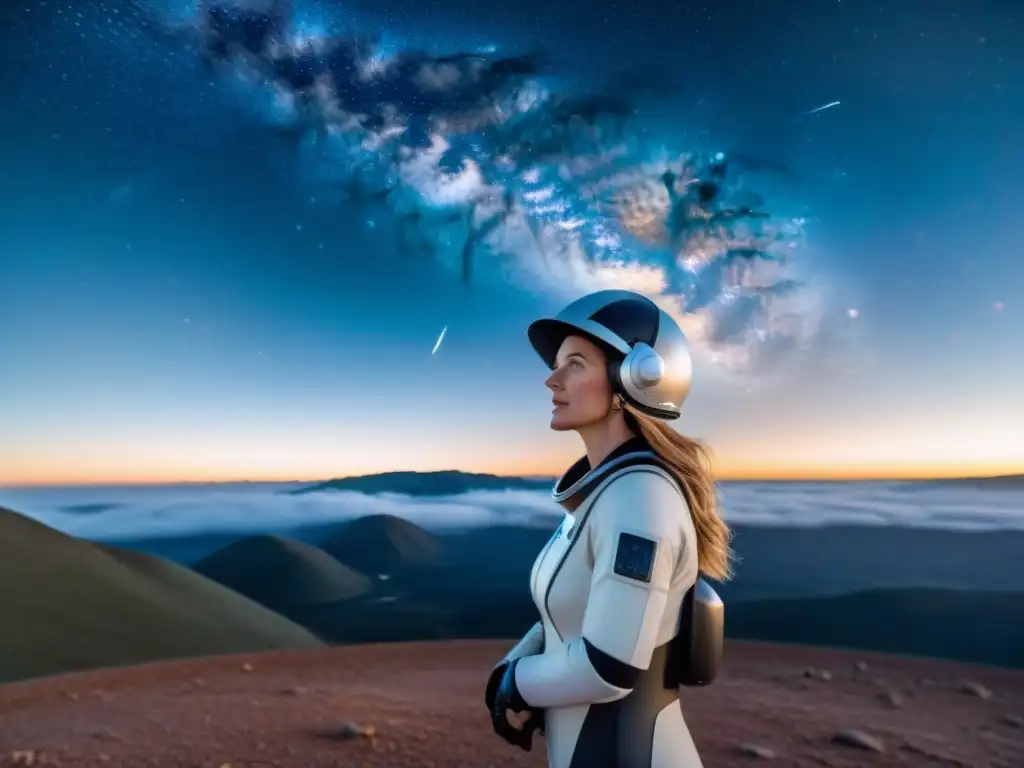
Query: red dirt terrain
point(420, 704)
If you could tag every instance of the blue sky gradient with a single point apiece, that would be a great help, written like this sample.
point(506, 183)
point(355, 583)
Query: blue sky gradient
point(175, 304)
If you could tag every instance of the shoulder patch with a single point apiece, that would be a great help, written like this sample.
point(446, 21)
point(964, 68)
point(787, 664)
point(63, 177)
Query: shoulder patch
point(634, 557)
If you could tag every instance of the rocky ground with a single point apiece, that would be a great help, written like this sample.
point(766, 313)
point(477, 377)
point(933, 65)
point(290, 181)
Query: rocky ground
point(419, 705)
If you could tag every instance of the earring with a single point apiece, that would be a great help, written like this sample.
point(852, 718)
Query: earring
point(617, 403)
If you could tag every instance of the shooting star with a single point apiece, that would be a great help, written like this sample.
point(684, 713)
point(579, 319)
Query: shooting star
point(822, 108)
point(439, 339)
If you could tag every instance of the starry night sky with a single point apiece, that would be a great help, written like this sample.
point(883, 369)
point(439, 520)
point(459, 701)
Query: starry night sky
point(174, 307)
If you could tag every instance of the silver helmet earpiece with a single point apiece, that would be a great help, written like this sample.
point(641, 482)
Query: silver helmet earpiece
point(651, 364)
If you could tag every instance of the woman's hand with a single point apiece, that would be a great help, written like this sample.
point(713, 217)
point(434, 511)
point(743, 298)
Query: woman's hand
point(512, 718)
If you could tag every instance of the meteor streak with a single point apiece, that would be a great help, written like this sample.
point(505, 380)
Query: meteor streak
point(439, 340)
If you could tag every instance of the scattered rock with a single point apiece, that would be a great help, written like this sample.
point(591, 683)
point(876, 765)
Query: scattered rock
point(1013, 721)
point(198, 682)
point(891, 698)
point(817, 674)
point(851, 737)
point(935, 757)
point(351, 730)
point(975, 689)
point(247, 667)
point(23, 757)
point(861, 666)
point(295, 690)
point(756, 750)
point(72, 695)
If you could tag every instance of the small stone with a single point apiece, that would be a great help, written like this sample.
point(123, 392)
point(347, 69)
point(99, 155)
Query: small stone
point(861, 666)
point(892, 698)
point(1013, 721)
point(23, 757)
point(247, 667)
point(852, 737)
point(351, 730)
point(756, 750)
point(825, 675)
point(975, 689)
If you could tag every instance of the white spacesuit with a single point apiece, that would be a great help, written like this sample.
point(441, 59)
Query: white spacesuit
point(624, 618)
point(610, 586)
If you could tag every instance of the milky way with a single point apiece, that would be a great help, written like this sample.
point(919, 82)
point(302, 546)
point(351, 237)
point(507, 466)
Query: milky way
point(475, 160)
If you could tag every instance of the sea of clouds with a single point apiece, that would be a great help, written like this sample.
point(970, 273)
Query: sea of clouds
point(135, 512)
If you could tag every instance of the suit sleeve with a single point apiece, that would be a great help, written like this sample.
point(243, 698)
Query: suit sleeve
point(635, 535)
point(531, 644)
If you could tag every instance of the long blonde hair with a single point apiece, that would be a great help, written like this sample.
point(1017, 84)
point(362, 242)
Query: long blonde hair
point(690, 463)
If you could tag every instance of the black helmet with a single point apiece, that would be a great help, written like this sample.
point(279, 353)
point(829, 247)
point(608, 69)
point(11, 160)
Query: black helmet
point(651, 365)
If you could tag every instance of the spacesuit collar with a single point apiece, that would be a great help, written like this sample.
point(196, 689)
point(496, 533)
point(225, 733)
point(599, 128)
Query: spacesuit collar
point(573, 488)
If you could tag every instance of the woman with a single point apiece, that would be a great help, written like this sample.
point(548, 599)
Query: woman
point(600, 672)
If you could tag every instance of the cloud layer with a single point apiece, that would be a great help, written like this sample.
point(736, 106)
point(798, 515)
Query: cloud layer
point(140, 512)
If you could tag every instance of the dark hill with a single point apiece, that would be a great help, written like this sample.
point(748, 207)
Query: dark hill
point(67, 604)
point(383, 545)
point(283, 574)
point(448, 483)
point(953, 624)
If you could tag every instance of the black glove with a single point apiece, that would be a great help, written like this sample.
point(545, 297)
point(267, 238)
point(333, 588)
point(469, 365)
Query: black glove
point(536, 721)
point(503, 695)
point(492, 685)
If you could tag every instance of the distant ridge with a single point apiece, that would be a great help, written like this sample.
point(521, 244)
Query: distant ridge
point(383, 545)
point(444, 483)
point(993, 481)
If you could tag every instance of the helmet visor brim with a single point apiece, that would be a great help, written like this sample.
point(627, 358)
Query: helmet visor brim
point(547, 335)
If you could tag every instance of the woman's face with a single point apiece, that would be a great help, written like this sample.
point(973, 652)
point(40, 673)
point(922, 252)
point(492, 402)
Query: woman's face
point(580, 391)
